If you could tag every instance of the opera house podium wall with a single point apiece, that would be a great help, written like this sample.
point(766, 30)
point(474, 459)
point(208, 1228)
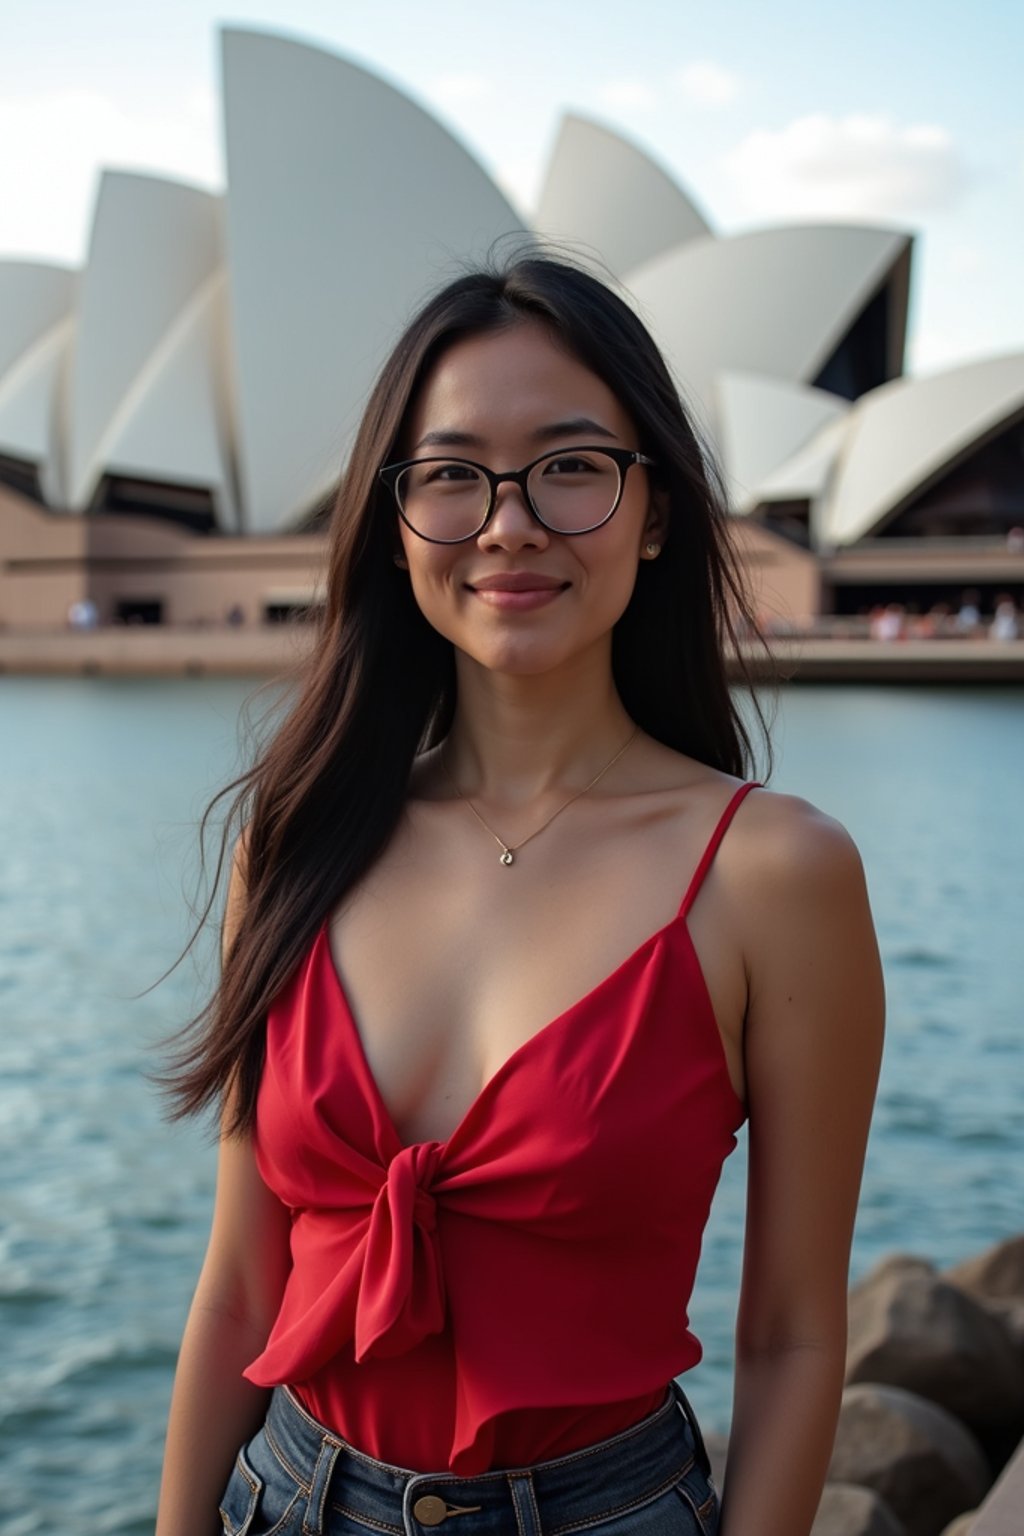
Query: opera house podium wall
point(144, 569)
point(168, 601)
point(147, 570)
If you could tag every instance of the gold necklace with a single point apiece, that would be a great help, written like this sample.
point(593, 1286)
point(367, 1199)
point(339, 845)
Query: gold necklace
point(508, 851)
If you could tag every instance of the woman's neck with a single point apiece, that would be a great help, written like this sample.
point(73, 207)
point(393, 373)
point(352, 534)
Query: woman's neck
point(515, 740)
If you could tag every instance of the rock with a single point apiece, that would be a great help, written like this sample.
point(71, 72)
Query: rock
point(995, 1275)
point(901, 1263)
point(911, 1328)
point(995, 1278)
point(1011, 1315)
point(846, 1510)
point(961, 1526)
point(916, 1456)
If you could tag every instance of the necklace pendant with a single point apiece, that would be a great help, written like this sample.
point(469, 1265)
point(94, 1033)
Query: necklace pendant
point(507, 856)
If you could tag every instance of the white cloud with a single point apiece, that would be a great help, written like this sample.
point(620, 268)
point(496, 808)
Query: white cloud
point(53, 147)
point(628, 94)
point(708, 85)
point(858, 166)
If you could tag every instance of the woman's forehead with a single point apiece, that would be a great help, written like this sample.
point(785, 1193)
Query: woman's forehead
point(514, 381)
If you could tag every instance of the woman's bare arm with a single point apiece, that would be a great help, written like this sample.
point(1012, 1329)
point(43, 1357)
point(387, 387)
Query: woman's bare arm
point(213, 1408)
point(813, 1049)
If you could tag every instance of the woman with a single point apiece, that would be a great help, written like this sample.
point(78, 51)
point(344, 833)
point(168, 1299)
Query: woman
point(478, 1063)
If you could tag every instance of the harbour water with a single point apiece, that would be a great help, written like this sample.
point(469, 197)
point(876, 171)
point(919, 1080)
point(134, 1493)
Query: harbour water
point(104, 1209)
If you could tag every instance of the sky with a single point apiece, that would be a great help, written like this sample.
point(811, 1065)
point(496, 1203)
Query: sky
point(906, 114)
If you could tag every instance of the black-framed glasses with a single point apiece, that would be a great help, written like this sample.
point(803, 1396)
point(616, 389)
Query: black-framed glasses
point(570, 490)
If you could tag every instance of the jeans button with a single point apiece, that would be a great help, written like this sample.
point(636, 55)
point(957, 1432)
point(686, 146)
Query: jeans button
point(430, 1510)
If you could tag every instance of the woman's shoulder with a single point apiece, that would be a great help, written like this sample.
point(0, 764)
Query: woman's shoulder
point(773, 836)
point(779, 819)
point(787, 861)
point(788, 830)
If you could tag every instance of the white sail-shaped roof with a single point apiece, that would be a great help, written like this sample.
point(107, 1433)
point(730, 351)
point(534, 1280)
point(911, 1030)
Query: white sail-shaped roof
point(346, 203)
point(34, 297)
point(774, 301)
point(762, 423)
point(805, 476)
point(229, 343)
point(906, 433)
point(175, 426)
point(607, 195)
point(154, 242)
point(29, 393)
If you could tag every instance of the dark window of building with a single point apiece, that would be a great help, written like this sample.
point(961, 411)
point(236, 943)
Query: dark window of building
point(191, 506)
point(983, 495)
point(139, 610)
point(289, 613)
point(22, 476)
point(919, 596)
point(860, 362)
point(789, 519)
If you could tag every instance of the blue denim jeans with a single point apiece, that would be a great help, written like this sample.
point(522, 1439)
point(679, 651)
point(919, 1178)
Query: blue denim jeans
point(296, 1478)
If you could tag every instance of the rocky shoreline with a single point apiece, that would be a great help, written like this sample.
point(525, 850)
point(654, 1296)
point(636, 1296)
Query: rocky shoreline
point(933, 1409)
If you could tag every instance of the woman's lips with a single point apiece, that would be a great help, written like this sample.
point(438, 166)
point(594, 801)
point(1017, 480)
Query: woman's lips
point(531, 597)
point(518, 590)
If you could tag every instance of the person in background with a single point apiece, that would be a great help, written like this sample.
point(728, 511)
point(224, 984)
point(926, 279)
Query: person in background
point(1005, 624)
point(968, 618)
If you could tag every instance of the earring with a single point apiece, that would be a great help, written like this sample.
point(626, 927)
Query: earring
point(653, 549)
point(400, 561)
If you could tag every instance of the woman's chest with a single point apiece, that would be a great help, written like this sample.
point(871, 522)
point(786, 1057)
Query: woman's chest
point(629, 1077)
point(444, 981)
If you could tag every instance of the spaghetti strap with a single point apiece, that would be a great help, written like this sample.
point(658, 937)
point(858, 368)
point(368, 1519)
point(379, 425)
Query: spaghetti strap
point(712, 847)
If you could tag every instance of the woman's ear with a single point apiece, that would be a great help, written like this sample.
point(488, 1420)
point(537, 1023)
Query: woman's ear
point(656, 526)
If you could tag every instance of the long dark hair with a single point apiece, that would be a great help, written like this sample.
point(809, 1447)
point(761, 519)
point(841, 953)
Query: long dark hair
point(325, 794)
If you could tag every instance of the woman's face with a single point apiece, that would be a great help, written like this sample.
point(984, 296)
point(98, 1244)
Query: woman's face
point(503, 399)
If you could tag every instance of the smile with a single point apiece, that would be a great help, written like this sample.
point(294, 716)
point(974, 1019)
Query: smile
point(530, 597)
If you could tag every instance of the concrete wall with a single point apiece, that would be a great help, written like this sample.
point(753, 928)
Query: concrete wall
point(47, 562)
point(41, 566)
point(784, 580)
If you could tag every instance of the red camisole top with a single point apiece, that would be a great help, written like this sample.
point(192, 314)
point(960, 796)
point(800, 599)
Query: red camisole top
point(521, 1289)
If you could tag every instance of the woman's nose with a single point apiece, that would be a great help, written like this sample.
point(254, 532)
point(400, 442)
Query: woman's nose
point(512, 523)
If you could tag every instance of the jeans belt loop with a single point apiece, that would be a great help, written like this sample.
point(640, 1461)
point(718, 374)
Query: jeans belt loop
point(313, 1523)
point(703, 1459)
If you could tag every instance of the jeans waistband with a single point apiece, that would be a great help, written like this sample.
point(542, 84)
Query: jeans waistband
point(563, 1494)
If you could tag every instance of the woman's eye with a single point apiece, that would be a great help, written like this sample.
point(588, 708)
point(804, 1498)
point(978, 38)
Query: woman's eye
point(450, 472)
point(569, 464)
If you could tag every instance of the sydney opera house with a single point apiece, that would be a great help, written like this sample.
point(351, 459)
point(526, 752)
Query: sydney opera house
point(174, 415)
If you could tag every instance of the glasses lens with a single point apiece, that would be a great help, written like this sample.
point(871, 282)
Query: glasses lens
point(574, 491)
point(442, 499)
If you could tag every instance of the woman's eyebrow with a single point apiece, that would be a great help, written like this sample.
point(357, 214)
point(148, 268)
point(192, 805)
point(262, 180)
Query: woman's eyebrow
point(569, 428)
point(451, 437)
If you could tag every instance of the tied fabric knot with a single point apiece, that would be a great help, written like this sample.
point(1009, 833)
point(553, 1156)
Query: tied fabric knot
point(401, 1291)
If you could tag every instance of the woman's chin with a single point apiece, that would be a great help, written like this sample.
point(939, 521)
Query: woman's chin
point(527, 656)
point(517, 657)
